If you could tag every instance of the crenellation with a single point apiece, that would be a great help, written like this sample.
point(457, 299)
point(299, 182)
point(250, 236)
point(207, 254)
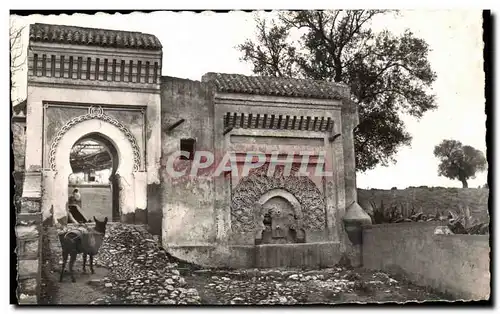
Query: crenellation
point(277, 122)
point(80, 66)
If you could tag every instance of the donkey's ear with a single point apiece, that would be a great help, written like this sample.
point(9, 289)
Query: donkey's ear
point(106, 220)
point(95, 219)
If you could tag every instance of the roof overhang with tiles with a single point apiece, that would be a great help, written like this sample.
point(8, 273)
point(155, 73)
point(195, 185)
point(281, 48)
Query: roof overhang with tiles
point(276, 86)
point(73, 35)
point(80, 56)
point(290, 104)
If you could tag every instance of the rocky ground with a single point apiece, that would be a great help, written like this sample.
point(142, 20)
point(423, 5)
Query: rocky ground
point(295, 286)
point(132, 269)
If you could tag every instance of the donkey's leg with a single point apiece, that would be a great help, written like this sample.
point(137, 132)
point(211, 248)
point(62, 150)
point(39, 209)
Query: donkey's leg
point(84, 261)
point(65, 259)
point(71, 263)
point(91, 263)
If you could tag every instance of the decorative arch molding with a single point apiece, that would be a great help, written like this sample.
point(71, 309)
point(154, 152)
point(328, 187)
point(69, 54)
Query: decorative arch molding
point(292, 200)
point(257, 186)
point(95, 113)
point(132, 187)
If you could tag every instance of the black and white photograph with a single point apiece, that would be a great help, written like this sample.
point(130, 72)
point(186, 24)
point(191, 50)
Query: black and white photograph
point(257, 158)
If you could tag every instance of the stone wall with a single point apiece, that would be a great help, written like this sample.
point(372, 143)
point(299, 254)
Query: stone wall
point(28, 250)
point(308, 255)
point(18, 143)
point(18, 188)
point(187, 202)
point(457, 265)
point(200, 217)
point(428, 200)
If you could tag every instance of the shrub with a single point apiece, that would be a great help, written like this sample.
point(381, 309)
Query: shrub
point(464, 223)
point(459, 223)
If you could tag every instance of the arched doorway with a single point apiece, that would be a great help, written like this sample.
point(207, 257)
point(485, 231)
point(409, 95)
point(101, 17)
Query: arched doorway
point(93, 187)
point(130, 185)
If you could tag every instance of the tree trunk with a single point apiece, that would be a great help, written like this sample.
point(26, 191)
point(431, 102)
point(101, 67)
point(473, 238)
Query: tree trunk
point(464, 183)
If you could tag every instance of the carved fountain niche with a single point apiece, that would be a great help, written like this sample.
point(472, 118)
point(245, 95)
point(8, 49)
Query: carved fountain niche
point(278, 209)
point(279, 219)
point(282, 217)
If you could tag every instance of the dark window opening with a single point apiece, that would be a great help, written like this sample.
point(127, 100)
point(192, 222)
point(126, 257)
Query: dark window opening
point(92, 176)
point(188, 146)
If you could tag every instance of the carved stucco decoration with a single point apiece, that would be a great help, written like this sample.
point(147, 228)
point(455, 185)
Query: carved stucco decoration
point(246, 210)
point(94, 113)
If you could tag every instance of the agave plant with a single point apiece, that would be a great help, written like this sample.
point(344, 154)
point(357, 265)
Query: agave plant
point(394, 213)
point(464, 223)
point(461, 222)
point(382, 215)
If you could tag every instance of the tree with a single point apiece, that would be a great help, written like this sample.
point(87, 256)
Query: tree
point(458, 161)
point(388, 75)
point(17, 56)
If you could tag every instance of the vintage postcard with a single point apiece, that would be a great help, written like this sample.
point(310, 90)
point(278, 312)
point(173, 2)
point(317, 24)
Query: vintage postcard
point(250, 158)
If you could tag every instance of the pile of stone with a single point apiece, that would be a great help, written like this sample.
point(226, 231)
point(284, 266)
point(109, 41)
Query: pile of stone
point(296, 286)
point(272, 286)
point(139, 270)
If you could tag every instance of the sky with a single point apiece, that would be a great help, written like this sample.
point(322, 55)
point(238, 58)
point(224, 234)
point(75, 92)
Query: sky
point(194, 44)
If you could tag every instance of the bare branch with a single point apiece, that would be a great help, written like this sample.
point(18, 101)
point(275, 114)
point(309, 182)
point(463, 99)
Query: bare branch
point(17, 57)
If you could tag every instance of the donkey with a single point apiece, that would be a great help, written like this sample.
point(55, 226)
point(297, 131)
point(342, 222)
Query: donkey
point(83, 240)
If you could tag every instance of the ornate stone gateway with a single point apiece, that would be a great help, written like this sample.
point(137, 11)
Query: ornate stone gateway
point(91, 83)
point(106, 85)
point(95, 113)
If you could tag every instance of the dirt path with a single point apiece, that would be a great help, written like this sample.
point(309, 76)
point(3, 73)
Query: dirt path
point(131, 268)
point(294, 286)
point(84, 290)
